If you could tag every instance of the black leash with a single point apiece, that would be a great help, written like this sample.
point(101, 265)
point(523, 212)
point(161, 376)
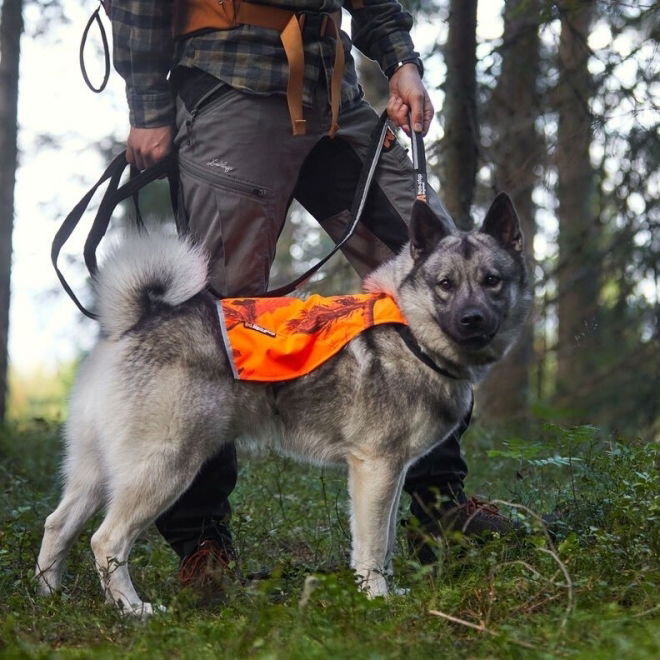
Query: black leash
point(419, 166)
point(419, 163)
point(114, 195)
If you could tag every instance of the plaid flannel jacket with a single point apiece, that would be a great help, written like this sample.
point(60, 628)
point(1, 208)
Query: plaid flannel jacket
point(247, 57)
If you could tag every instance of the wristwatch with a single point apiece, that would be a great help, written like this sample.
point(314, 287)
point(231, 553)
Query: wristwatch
point(408, 60)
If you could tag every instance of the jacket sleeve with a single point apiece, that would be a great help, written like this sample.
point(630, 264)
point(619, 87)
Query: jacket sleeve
point(381, 30)
point(142, 54)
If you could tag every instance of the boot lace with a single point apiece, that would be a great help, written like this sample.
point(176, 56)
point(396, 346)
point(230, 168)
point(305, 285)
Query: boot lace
point(200, 566)
point(474, 506)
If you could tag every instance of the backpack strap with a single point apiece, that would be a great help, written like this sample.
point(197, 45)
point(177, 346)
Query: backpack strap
point(194, 15)
point(337, 75)
point(290, 25)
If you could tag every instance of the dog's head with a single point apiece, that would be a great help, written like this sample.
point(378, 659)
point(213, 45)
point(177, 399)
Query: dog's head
point(472, 285)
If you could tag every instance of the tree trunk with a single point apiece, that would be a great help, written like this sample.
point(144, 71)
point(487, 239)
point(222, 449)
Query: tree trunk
point(458, 166)
point(11, 28)
point(517, 151)
point(578, 277)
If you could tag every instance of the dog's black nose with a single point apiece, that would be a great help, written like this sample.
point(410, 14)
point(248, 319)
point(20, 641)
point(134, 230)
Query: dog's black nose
point(472, 319)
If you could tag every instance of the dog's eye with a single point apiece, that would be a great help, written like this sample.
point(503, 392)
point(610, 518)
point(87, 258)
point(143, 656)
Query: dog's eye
point(492, 280)
point(446, 284)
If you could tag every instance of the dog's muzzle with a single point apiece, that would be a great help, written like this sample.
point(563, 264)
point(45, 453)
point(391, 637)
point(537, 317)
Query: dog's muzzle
point(474, 328)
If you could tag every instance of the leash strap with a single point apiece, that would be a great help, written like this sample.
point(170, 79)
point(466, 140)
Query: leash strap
point(70, 223)
point(95, 18)
point(359, 201)
point(419, 163)
point(114, 195)
point(168, 167)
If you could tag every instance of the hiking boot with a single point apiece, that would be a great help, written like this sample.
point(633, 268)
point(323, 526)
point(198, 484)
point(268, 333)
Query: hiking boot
point(210, 572)
point(476, 517)
point(437, 518)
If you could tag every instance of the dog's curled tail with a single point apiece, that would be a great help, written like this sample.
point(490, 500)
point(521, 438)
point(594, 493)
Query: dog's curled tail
point(145, 271)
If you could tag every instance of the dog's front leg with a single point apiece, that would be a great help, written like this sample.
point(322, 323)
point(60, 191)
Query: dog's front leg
point(393, 524)
point(373, 486)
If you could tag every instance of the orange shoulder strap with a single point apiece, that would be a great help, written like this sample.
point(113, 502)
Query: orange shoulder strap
point(194, 15)
point(191, 16)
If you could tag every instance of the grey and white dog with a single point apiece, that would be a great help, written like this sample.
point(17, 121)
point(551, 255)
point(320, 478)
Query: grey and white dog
point(156, 397)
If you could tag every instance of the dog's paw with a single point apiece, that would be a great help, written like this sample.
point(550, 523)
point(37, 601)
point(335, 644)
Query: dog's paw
point(47, 583)
point(140, 610)
point(373, 584)
point(399, 591)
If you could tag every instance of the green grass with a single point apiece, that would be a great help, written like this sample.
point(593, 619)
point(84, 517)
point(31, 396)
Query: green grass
point(591, 594)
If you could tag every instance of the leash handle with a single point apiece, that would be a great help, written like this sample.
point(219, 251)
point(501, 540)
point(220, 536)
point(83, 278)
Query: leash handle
point(95, 18)
point(116, 194)
point(419, 163)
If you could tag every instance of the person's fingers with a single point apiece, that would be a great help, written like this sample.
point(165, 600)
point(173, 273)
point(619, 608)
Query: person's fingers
point(407, 85)
point(146, 146)
point(417, 111)
point(130, 156)
point(398, 112)
point(143, 162)
point(139, 160)
point(133, 154)
point(149, 158)
point(394, 108)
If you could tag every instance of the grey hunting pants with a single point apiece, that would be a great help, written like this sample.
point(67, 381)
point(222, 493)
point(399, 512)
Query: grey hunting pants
point(240, 168)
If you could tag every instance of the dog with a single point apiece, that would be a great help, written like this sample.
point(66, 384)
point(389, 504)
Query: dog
point(156, 397)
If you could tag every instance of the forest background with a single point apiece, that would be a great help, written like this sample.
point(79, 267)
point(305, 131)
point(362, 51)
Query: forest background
point(555, 102)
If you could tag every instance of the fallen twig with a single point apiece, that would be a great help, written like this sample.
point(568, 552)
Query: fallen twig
point(568, 585)
point(481, 628)
point(533, 514)
point(528, 609)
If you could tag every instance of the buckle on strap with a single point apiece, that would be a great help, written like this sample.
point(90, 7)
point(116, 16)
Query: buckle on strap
point(314, 24)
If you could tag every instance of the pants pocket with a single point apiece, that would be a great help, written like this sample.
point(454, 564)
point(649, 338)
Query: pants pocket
point(234, 221)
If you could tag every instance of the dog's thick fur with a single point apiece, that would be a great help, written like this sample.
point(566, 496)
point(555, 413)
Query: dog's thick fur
point(155, 398)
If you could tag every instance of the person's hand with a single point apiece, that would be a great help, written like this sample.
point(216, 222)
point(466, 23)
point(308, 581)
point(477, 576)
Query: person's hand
point(408, 96)
point(146, 146)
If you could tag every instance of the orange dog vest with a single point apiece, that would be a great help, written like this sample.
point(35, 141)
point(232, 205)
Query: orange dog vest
point(277, 339)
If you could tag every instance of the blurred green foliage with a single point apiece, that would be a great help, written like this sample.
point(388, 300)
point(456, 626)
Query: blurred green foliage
point(590, 592)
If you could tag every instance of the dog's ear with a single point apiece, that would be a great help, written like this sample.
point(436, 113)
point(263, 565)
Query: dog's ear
point(426, 230)
point(502, 223)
